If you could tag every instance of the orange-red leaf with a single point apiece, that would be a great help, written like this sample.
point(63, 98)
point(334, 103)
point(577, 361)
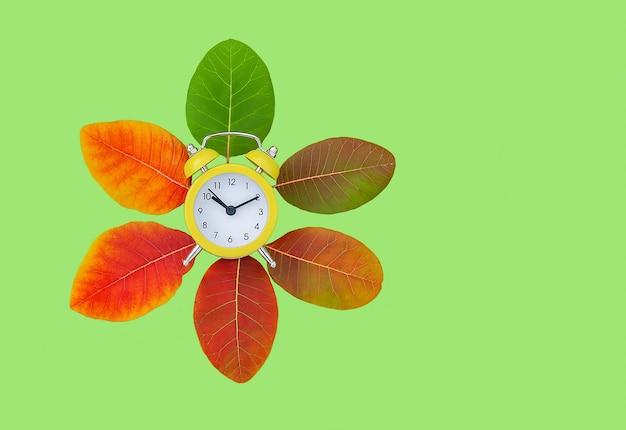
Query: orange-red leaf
point(326, 268)
point(236, 314)
point(140, 165)
point(130, 270)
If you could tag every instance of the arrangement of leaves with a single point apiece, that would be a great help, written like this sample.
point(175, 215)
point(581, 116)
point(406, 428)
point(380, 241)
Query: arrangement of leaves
point(132, 269)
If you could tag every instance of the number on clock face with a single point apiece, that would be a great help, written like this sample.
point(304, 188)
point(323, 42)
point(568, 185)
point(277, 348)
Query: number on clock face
point(231, 210)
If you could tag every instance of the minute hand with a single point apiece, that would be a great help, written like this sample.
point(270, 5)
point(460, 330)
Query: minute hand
point(247, 201)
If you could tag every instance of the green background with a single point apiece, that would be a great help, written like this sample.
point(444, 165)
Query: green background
point(502, 234)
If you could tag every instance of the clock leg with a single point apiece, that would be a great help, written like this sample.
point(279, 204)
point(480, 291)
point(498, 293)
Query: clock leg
point(267, 257)
point(194, 252)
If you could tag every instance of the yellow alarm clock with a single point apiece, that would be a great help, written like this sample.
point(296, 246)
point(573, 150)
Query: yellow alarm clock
point(231, 209)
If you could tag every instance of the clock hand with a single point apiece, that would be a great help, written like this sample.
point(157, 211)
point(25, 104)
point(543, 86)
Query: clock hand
point(218, 200)
point(230, 210)
point(247, 201)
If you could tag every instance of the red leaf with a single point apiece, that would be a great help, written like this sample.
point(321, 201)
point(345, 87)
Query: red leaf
point(236, 314)
point(326, 268)
point(140, 165)
point(130, 270)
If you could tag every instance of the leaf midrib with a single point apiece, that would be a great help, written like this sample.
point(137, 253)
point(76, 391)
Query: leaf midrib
point(149, 263)
point(230, 99)
point(340, 172)
point(140, 162)
point(330, 268)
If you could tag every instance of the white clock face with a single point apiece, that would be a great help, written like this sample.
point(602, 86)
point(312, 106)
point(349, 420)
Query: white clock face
point(231, 210)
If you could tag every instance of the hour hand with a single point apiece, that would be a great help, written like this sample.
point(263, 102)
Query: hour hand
point(218, 200)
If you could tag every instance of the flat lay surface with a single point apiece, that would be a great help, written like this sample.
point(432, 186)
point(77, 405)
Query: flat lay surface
point(502, 234)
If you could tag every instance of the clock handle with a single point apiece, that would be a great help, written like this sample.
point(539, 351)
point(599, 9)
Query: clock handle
point(232, 133)
point(264, 160)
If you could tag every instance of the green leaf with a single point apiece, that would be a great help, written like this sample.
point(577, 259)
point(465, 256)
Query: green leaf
point(231, 90)
point(335, 175)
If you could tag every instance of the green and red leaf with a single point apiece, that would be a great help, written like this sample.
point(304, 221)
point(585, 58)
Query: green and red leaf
point(236, 315)
point(130, 270)
point(326, 268)
point(140, 165)
point(335, 175)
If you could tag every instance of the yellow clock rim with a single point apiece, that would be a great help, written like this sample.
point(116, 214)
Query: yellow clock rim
point(242, 251)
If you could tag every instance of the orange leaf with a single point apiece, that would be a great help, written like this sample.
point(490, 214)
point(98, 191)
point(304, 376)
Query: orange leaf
point(236, 316)
point(140, 165)
point(326, 268)
point(130, 270)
